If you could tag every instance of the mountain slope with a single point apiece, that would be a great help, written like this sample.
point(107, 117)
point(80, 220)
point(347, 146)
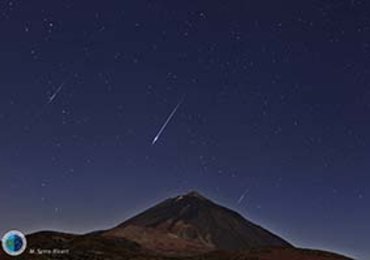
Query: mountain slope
point(192, 224)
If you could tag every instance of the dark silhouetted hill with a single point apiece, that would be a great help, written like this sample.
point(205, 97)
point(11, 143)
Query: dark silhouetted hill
point(187, 227)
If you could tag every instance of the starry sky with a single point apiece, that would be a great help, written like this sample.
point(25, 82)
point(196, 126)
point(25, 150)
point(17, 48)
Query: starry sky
point(272, 118)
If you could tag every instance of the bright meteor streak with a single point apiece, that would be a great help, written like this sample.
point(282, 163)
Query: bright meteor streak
point(167, 121)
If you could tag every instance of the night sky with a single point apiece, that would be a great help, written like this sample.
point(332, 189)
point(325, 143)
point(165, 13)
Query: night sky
point(270, 105)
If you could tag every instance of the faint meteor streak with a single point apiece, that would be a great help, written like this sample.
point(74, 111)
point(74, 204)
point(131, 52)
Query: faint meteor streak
point(242, 197)
point(167, 121)
point(55, 94)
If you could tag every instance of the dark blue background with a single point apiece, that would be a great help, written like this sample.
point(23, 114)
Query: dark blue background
point(276, 109)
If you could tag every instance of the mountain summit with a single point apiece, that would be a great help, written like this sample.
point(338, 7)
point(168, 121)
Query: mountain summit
point(191, 224)
point(194, 194)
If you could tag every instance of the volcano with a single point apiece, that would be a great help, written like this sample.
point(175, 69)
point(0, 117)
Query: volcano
point(190, 224)
point(186, 227)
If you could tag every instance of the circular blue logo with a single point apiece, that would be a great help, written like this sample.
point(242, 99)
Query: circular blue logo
point(14, 243)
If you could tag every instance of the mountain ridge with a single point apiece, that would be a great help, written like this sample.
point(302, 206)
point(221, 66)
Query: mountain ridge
point(185, 227)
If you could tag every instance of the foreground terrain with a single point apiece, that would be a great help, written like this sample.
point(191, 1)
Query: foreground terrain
point(187, 227)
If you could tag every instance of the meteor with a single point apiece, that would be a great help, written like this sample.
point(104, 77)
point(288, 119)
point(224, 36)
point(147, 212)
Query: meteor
point(55, 94)
point(156, 138)
point(241, 198)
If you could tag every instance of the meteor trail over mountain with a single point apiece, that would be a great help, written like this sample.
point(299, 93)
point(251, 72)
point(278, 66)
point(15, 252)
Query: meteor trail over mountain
point(242, 197)
point(155, 139)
